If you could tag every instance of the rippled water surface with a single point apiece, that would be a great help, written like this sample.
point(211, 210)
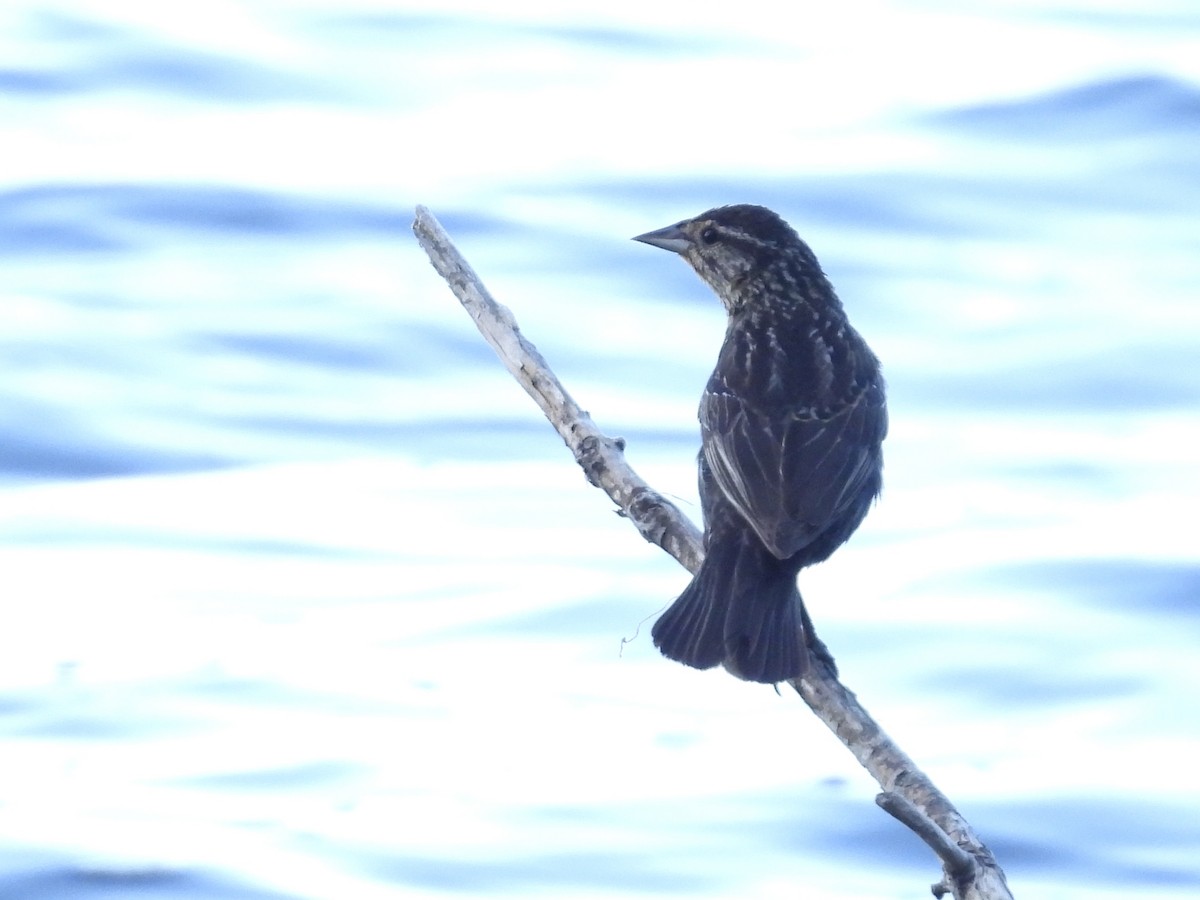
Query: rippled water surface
point(303, 599)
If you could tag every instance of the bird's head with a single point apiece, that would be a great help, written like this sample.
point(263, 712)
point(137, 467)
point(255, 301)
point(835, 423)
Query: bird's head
point(734, 247)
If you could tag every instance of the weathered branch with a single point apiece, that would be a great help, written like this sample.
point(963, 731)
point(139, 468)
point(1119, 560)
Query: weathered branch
point(970, 871)
point(958, 866)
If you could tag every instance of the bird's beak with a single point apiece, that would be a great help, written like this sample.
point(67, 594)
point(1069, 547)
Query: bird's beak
point(672, 238)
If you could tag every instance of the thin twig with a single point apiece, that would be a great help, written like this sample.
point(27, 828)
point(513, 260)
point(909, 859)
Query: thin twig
point(661, 523)
point(602, 457)
point(957, 864)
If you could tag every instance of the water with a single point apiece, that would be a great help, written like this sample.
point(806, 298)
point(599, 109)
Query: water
point(302, 598)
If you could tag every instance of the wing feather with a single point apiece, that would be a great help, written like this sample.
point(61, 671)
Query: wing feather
point(790, 476)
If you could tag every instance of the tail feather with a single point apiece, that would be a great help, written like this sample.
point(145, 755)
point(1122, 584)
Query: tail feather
point(741, 609)
point(692, 630)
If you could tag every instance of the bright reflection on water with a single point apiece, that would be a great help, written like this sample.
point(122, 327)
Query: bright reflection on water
point(302, 598)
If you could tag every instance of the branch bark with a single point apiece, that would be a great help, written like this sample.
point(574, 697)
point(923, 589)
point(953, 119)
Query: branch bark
point(970, 871)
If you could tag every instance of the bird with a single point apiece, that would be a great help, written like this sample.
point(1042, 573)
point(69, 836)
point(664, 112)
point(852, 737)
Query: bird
point(792, 423)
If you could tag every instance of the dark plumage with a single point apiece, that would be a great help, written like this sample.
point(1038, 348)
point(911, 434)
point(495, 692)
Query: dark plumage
point(792, 421)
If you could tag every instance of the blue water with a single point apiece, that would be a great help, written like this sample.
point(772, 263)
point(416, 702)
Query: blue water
point(301, 597)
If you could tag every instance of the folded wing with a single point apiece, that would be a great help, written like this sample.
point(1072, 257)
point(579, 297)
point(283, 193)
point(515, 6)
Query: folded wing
point(794, 474)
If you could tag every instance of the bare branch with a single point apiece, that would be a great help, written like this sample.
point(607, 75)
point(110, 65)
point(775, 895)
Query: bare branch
point(957, 863)
point(602, 457)
point(918, 804)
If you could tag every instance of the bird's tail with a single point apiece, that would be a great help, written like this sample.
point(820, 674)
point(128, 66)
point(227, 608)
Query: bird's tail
point(741, 609)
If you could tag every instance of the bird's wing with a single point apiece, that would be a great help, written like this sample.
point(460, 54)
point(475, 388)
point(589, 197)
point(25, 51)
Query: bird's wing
point(790, 475)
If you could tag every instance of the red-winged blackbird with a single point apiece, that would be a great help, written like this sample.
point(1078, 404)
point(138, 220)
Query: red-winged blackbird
point(792, 421)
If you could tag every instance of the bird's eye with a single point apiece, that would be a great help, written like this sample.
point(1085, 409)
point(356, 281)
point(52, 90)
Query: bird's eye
point(710, 235)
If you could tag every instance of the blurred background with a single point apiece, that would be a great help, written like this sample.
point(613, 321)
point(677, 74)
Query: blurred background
point(301, 597)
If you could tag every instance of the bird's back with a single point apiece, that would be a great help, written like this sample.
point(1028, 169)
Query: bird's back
point(792, 419)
